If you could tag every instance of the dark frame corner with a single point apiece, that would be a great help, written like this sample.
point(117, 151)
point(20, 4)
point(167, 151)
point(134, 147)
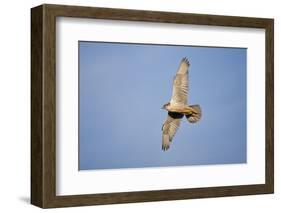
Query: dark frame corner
point(43, 102)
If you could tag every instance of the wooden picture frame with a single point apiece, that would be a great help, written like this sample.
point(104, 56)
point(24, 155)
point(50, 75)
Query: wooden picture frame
point(43, 105)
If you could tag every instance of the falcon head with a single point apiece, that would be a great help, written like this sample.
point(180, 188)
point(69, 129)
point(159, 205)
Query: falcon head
point(165, 106)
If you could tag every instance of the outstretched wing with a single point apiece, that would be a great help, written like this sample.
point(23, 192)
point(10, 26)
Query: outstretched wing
point(180, 84)
point(170, 128)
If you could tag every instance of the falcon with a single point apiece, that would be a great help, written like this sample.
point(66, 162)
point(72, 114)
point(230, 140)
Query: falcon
point(178, 107)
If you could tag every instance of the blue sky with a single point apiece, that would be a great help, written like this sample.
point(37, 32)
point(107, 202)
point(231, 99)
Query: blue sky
point(122, 88)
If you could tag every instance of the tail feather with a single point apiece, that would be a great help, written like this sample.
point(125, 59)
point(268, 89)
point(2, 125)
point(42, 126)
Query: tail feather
point(193, 118)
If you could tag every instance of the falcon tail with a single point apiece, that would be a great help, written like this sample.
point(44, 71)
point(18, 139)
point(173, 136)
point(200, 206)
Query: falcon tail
point(194, 117)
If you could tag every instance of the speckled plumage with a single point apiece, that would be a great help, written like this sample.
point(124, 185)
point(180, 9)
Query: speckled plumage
point(178, 106)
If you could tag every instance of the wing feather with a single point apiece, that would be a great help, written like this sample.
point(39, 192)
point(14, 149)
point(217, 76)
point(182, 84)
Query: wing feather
point(180, 84)
point(170, 128)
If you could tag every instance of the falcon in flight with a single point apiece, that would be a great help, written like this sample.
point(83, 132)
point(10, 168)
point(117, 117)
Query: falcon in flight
point(178, 107)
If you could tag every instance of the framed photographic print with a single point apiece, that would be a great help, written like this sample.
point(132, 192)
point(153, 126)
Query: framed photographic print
point(135, 106)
